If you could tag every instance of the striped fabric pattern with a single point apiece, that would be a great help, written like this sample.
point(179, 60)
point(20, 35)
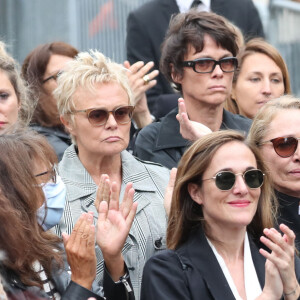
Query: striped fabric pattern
point(48, 286)
point(149, 226)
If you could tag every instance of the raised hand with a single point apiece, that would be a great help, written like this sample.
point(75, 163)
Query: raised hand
point(141, 81)
point(103, 191)
point(136, 73)
point(190, 130)
point(282, 256)
point(273, 284)
point(169, 190)
point(114, 223)
point(80, 250)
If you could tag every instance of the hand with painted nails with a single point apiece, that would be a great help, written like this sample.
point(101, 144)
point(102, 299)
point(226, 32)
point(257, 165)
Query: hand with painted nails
point(282, 255)
point(80, 250)
point(114, 223)
point(190, 130)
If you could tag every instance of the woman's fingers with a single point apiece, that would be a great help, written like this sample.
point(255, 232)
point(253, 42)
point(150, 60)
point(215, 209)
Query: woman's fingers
point(131, 215)
point(127, 200)
point(103, 191)
point(114, 197)
point(289, 235)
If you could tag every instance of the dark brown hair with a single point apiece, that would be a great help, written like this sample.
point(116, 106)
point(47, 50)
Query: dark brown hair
point(186, 214)
point(189, 29)
point(33, 70)
point(21, 238)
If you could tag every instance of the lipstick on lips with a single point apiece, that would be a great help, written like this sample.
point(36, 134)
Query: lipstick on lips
point(239, 203)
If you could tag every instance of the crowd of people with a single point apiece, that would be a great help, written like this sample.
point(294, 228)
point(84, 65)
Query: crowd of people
point(122, 181)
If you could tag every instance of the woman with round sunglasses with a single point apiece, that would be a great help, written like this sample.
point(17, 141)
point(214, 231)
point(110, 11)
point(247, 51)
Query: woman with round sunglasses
point(275, 131)
point(95, 103)
point(220, 231)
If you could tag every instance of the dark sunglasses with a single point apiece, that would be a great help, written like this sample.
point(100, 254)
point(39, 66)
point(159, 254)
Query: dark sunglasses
point(225, 179)
point(99, 116)
point(54, 77)
point(284, 146)
point(207, 65)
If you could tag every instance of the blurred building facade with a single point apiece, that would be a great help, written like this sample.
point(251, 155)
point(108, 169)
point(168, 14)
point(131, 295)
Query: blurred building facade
point(101, 24)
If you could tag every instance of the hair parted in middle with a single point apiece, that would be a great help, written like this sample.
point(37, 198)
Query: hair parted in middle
point(189, 29)
point(254, 46)
point(87, 70)
point(186, 214)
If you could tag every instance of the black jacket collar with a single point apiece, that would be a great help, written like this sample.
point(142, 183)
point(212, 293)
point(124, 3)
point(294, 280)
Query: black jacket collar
point(169, 132)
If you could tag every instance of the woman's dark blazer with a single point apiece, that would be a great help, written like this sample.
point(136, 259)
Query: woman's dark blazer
point(193, 272)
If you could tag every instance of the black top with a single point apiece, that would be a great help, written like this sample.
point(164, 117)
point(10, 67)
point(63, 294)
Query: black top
point(57, 138)
point(192, 272)
point(162, 142)
point(289, 214)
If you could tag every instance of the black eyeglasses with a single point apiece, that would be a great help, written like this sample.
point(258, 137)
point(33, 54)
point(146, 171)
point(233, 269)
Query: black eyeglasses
point(207, 65)
point(225, 179)
point(284, 146)
point(99, 116)
point(54, 76)
point(47, 176)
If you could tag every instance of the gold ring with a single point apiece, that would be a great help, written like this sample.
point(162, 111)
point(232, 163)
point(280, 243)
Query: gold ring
point(146, 79)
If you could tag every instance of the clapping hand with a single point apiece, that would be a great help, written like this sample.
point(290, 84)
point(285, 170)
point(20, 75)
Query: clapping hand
point(282, 256)
point(80, 250)
point(169, 191)
point(114, 223)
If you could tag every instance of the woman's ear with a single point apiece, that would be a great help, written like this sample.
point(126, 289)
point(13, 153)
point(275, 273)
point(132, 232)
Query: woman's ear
point(233, 95)
point(195, 192)
point(175, 77)
point(67, 123)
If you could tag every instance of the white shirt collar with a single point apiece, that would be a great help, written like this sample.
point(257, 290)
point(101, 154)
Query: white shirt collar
point(184, 5)
point(252, 285)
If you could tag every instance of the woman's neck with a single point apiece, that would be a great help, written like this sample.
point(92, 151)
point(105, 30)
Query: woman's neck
point(229, 242)
point(209, 115)
point(97, 165)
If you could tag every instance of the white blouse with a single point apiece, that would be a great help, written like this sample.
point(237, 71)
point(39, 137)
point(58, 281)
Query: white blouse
point(252, 286)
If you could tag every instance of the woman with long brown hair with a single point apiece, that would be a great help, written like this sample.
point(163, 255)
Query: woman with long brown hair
point(32, 197)
point(220, 228)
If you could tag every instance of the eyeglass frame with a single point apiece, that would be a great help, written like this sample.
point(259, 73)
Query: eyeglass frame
point(54, 76)
point(272, 141)
point(235, 175)
point(52, 171)
point(89, 110)
point(192, 64)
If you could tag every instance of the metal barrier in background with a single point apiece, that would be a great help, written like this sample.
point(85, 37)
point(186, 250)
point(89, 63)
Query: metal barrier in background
point(86, 24)
point(283, 33)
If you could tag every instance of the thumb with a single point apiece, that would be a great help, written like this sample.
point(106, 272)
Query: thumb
point(65, 237)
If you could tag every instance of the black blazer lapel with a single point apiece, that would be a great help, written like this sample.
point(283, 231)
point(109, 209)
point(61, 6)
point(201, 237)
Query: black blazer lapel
point(205, 261)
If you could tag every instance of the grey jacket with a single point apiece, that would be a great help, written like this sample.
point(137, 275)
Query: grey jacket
point(147, 234)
